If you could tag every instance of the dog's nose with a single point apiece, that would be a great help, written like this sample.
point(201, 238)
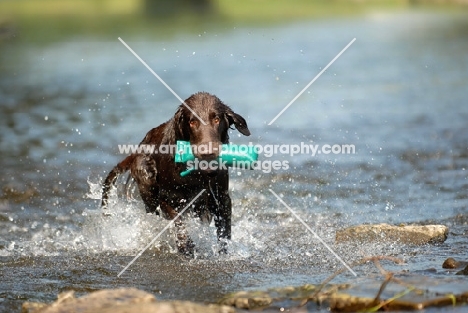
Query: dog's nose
point(208, 151)
point(208, 156)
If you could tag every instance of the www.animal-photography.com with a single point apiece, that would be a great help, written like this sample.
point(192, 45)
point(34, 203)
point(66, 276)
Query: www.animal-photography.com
point(225, 156)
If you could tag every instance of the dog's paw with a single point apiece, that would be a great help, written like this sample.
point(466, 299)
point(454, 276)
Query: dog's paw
point(186, 248)
point(223, 249)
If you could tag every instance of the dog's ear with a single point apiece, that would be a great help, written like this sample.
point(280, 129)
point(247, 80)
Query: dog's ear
point(181, 125)
point(238, 121)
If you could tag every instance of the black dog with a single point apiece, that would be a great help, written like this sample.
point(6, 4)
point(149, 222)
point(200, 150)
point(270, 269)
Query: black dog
point(158, 176)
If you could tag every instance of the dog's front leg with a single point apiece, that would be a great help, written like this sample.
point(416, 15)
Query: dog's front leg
point(223, 220)
point(184, 244)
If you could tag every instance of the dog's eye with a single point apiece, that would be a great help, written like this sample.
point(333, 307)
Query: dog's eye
point(193, 123)
point(216, 120)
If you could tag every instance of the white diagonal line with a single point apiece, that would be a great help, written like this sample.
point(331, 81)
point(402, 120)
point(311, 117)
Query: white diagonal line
point(311, 82)
point(316, 236)
point(161, 80)
point(160, 233)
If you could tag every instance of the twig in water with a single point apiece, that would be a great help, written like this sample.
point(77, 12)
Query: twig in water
point(338, 272)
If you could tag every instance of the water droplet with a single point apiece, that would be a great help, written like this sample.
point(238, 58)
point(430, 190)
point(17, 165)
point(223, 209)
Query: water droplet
point(46, 118)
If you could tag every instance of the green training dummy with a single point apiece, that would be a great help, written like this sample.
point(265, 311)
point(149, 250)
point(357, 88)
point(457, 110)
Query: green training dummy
point(241, 156)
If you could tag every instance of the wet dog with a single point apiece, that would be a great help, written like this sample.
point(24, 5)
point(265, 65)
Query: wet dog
point(204, 121)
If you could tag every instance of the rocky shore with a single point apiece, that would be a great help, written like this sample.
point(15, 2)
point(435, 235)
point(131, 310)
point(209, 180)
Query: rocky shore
point(122, 300)
point(366, 296)
point(387, 291)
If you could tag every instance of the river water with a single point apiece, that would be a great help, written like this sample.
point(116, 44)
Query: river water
point(398, 94)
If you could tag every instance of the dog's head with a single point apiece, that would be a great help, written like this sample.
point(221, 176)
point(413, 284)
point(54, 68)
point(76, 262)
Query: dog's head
point(204, 120)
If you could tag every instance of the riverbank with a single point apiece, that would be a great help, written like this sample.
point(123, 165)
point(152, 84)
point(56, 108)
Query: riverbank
point(391, 292)
point(50, 20)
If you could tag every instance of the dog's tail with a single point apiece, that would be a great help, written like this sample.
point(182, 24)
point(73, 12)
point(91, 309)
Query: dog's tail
point(119, 169)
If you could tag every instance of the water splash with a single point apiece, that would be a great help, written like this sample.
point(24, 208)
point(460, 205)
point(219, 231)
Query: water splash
point(263, 232)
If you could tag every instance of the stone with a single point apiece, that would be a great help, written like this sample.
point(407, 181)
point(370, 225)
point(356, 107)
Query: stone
point(247, 300)
point(121, 300)
point(451, 263)
point(406, 234)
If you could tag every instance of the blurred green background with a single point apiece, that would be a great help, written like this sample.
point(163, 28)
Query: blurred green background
point(46, 20)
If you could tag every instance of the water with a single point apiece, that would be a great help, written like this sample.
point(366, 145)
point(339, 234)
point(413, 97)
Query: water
point(398, 94)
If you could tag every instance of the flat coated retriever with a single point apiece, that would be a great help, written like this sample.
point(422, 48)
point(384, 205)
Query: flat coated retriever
point(158, 176)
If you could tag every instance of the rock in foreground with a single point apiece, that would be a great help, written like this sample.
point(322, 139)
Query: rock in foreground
point(122, 300)
point(399, 296)
point(410, 234)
